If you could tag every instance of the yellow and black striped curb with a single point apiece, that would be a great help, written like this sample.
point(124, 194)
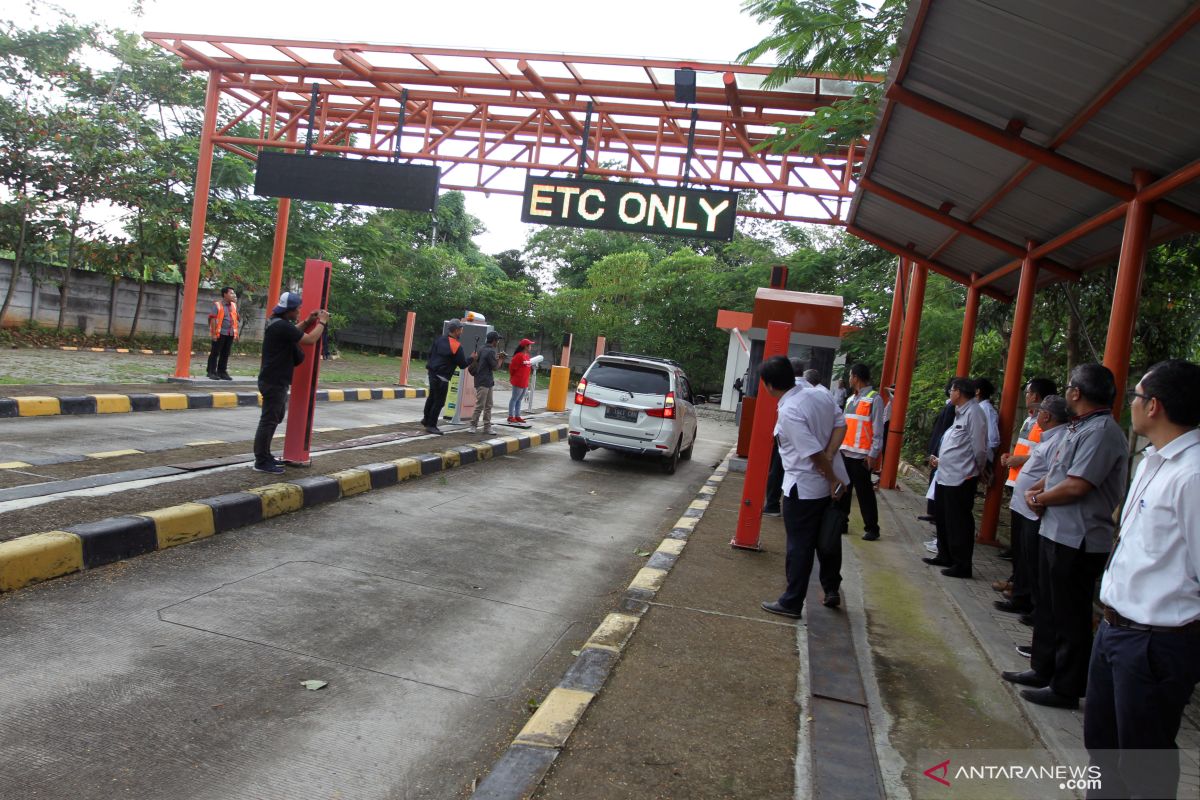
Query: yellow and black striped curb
point(134, 350)
point(45, 406)
point(520, 769)
point(42, 556)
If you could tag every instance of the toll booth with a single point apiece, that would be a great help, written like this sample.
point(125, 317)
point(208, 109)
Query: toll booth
point(816, 335)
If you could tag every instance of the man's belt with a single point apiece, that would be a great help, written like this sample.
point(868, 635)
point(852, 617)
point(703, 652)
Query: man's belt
point(1115, 619)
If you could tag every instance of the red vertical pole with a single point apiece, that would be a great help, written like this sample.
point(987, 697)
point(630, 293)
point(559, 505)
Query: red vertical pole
point(1014, 371)
point(758, 462)
point(565, 360)
point(892, 347)
point(601, 342)
point(279, 248)
point(410, 322)
point(904, 372)
point(1127, 292)
point(298, 439)
point(966, 345)
point(191, 274)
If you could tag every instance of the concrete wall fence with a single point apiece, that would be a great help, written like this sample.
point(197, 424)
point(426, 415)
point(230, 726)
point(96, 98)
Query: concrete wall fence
point(94, 296)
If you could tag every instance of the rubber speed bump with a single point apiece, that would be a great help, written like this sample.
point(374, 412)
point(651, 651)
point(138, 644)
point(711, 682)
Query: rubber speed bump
point(181, 524)
point(555, 718)
point(39, 557)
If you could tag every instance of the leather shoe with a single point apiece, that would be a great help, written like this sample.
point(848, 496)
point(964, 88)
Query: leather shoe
point(871, 536)
point(1010, 607)
point(925, 518)
point(1006, 554)
point(772, 511)
point(1026, 619)
point(773, 607)
point(832, 600)
point(937, 562)
point(1026, 678)
point(956, 573)
point(1048, 697)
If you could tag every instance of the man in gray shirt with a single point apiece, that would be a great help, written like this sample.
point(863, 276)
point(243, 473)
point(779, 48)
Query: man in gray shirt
point(1076, 501)
point(959, 463)
point(487, 360)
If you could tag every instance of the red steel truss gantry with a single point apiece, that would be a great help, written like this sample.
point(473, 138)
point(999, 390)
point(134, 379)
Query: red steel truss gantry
point(487, 117)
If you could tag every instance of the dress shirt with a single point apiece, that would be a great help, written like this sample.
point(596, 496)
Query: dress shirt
point(1035, 469)
point(876, 423)
point(1095, 449)
point(993, 428)
point(802, 430)
point(1153, 576)
point(963, 452)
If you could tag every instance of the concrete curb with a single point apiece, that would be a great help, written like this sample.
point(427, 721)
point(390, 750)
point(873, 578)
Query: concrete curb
point(133, 350)
point(44, 406)
point(520, 769)
point(43, 556)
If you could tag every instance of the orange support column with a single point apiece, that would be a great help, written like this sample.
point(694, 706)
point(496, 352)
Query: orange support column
point(891, 349)
point(1128, 291)
point(1014, 371)
point(601, 343)
point(904, 373)
point(410, 322)
point(282, 213)
point(191, 275)
point(966, 345)
point(758, 460)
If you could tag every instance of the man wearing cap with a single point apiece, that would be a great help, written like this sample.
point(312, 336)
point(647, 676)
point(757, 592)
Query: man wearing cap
point(486, 361)
point(445, 354)
point(280, 354)
point(223, 326)
point(518, 376)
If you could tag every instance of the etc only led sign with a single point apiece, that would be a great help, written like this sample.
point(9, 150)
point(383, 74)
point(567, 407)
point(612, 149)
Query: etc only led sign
point(629, 207)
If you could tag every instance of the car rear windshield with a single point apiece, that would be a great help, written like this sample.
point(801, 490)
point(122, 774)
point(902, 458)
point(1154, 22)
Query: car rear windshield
point(629, 378)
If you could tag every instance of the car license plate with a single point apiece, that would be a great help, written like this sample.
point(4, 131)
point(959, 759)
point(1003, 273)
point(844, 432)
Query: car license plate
point(623, 414)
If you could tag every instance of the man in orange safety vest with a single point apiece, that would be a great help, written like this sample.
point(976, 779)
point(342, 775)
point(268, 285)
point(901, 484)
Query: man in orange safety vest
point(862, 446)
point(223, 326)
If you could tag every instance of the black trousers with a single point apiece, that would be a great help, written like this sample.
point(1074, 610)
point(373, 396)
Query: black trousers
point(860, 483)
point(1024, 546)
point(274, 406)
point(1062, 616)
point(1138, 684)
point(802, 521)
point(218, 355)
point(954, 519)
point(434, 400)
point(774, 480)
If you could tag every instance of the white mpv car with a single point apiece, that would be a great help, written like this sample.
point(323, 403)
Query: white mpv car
point(634, 404)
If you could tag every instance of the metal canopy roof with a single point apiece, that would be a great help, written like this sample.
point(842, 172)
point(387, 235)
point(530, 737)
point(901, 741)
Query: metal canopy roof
point(480, 114)
point(1015, 121)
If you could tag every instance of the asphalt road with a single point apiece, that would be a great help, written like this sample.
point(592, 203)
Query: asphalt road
point(435, 611)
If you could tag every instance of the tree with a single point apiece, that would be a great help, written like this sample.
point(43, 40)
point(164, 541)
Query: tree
point(850, 38)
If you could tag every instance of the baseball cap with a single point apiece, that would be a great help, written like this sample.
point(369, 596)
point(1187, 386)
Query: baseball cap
point(1056, 406)
point(287, 302)
point(494, 336)
point(454, 325)
point(527, 341)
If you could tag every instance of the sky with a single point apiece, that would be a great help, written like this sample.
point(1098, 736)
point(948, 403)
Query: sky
point(708, 30)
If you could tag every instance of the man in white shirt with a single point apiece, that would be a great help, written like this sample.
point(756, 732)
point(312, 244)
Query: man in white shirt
point(802, 433)
point(1145, 660)
point(959, 462)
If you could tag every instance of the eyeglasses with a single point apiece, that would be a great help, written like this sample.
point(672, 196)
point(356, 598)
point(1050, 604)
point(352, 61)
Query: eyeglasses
point(1132, 393)
point(1072, 386)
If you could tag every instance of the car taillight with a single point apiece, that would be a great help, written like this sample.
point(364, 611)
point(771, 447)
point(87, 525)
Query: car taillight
point(581, 399)
point(666, 412)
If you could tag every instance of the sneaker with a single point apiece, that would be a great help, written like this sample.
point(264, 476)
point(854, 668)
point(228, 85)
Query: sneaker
point(489, 431)
point(520, 421)
point(279, 462)
point(1025, 650)
point(472, 429)
point(512, 420)
point(272, 468)
point(775, 608)
point(772, 511)
point(931, 545)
